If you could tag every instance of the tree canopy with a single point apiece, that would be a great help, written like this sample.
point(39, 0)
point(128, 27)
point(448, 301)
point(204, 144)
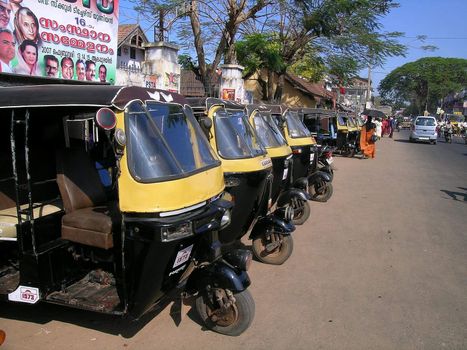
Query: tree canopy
point(421, 84)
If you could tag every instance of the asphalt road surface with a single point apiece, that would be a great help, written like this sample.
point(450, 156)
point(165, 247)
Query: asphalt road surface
point(382, 265)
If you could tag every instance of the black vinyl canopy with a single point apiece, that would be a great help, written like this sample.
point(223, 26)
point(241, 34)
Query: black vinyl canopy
point(82, 95)
point(373, 113)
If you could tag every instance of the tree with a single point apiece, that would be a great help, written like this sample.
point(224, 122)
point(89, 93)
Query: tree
point(421, 84)
point(209, 27)
point(328, 32)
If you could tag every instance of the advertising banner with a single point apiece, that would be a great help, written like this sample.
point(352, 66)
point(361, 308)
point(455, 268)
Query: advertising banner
point(67, 39)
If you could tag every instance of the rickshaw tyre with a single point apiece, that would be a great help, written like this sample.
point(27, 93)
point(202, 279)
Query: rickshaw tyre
point(351, 153)
point(305, 214)
point(325, 196)
point(286, 250)
point(245, 305)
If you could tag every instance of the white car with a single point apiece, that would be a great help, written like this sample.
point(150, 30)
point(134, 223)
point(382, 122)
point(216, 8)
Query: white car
point(423, 129)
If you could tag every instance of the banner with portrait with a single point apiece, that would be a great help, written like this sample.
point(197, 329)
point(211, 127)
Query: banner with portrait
point(65, 39)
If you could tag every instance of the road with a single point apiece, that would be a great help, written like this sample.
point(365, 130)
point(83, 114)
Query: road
point(382, 265)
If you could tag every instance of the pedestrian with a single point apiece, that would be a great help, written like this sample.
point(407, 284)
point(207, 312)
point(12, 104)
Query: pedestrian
point(379, 127)
point(392, 125)
point(368, 138)
point(385, 128)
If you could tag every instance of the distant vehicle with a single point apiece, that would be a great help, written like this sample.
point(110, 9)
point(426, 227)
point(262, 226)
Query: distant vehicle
point(405, 123)
point(424, 129)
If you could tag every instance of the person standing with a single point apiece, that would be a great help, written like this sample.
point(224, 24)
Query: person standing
point(392, 126)
point(367, 139)
point(379, 127)
point(7, 50)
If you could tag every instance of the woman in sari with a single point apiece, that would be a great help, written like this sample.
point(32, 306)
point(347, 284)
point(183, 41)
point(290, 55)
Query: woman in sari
point(367, 139)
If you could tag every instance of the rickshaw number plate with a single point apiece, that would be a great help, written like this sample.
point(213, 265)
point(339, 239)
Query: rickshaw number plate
point(312, 157)
point(183, 255)
point(330, 160)
point(25, 294)
point(286, 171)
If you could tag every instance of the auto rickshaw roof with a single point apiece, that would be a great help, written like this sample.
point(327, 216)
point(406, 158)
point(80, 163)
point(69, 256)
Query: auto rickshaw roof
point(82, 95)
point(207, 102)
point(314, 112)
point(254, 106)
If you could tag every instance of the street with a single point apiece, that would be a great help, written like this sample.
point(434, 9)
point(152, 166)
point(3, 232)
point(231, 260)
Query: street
point(382, 265)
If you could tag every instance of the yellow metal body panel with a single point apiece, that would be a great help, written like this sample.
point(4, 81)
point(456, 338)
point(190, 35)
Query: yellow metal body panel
point(279, 151)
point(166, 195)
point(243, 165)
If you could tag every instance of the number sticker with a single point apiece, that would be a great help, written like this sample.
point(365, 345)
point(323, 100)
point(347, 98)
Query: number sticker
point(182, 256)
point(286, 171)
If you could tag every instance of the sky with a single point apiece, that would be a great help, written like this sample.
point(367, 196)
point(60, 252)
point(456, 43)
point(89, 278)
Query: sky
point(444, 23)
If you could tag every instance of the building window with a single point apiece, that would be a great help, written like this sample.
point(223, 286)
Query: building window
point(136, 40)
point(132, 52)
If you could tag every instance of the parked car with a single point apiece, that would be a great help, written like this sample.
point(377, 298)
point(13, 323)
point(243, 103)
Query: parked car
point(424, 129)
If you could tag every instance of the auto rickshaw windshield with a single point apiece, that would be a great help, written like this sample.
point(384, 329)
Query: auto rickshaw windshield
point(351, 122)
point(268, 132)
point(342, 120)
point(235, 137)
point(296, 127)
point(164, 142)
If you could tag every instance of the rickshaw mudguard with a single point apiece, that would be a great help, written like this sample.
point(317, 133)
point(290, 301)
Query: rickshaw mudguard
point(301, 183)
point(218, 275)
point(319, 175)
point(272, 224)
point(287, 195)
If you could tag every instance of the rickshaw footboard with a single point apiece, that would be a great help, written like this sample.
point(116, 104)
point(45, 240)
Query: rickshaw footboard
point(95, 292)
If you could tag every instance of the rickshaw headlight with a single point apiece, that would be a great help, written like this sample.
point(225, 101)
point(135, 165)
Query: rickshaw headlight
point(225, 221)
point(239, 258)
point(171, 233)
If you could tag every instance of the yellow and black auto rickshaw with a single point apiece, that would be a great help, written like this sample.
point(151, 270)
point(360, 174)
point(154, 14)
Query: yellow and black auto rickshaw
point(283, 194)
point(111, 198)
point(248, 179)
point(304, 148)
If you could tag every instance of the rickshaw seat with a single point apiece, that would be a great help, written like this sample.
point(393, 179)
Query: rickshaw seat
point(89, 218)
point(9, 217)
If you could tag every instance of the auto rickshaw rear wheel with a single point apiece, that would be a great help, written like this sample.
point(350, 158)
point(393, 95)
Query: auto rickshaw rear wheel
point(224, 312)
point(321, 191)
point(273, 249)
point(301, 211)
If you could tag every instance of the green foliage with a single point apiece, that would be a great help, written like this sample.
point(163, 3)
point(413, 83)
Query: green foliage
point(259, 50)
point(424, 82)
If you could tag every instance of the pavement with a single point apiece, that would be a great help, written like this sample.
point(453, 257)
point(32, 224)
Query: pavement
point(381, 265)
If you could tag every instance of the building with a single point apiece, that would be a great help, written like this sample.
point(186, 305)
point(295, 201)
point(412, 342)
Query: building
point(354, 95)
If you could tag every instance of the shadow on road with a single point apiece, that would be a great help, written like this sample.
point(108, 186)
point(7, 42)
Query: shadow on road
point(116, 325)
point(456, 195)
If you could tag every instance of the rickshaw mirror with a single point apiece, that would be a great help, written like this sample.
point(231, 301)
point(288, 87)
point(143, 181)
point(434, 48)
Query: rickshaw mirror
point(120, 137)
point(106, 118)
point(207, 123)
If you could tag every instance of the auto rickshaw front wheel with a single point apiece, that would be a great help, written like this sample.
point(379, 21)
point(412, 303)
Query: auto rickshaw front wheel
point(224, 312)
point(273, 249)
point(321, 191)
point(301, 211)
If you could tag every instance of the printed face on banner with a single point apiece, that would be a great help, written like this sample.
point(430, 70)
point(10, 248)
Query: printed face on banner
point(75, 39)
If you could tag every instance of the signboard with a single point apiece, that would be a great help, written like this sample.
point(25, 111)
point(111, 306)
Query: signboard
point(68, 39)
point(228, 94)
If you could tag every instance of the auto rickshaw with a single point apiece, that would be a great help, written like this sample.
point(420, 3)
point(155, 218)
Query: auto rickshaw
point(283, 194)
point(321, 123)
point(110, 199)
point(346, 135)
point(248, 179)
point(305, 173)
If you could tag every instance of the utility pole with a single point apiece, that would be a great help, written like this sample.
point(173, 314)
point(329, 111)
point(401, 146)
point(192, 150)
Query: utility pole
point(368, 88)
